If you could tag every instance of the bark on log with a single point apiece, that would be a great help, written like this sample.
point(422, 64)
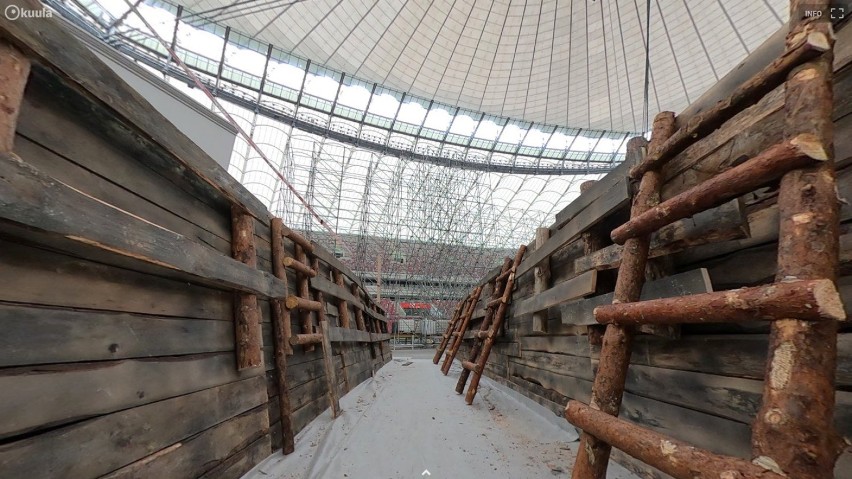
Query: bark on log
point(454, 349)
point(281, 334)
point(328, 361)
point(296, 302)
point(485, 327)
point(497, 322)
point(811, 42)
point(303, 290)
point(342, 304)
point(542, 279)
point(14, 71)
point(298, 239)
point(794, 429)
point(608, 388)
point(675, 458)
point(445, 338)
point(299, 267)
point(359, 314)
point(769, 165)
point(303, 339)
point(811, 300)
point(247, 330)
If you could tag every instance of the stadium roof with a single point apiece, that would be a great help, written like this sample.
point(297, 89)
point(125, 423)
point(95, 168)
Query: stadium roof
point(574, 63)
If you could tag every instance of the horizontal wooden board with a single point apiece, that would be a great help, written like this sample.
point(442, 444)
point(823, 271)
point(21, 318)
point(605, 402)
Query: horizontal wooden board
point(200, 453)
point(613, 183)
point(243, 461)
point(122, 111)
point(37, 201)
point(577, 366)
point(341, 335)
point(696, 281)
point(48, 278)
point(322, 284)
point(43, 335)
point(577, 287)
point(574, 345)
point(32, 398)
point(723, 223)
point(115, 440)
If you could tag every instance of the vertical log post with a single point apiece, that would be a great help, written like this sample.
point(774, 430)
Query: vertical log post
point(303, 290)
point(359, 314)
point(14, 70)
point(542, 280)
point(328, 365)
point(608, 388)
point(342, 305)
point(246, 310)
point(281, 333)
point(794, 431)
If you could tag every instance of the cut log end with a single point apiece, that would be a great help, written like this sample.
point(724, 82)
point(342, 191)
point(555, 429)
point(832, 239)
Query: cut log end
point(810, 146)
point(292, 302)
point(819, 41)
point(828, 301)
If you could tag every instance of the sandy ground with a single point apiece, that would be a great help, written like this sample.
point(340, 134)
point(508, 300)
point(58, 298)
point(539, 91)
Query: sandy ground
point(408, 419)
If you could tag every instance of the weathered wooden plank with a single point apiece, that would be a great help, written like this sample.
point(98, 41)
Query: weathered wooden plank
point(115, 440)
point(47, 278)
point(44, 396)
point(320, 283)
point(542, 280)
point(331, 260)
point(343, 335)
point(613, 182)
point(127, 114)
point(614, 199)
point(577, 366)
point(579, 286)
point(682, 284)
point(200, 453)
point(574, 345)
point(37, 201)
point(56, 143)
point(568, 386)
point(241, 462)
point(724, 223)
point(51, 335)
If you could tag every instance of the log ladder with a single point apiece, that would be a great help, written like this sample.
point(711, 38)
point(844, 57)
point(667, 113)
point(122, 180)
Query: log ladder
point(793, 434)
point(282, 330)
point(483, 340)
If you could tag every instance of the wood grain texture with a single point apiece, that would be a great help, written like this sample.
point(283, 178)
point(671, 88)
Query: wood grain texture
point(579, 286)
point(37, 201)
point(690, 282)
point(121, 438)
point(45, 396)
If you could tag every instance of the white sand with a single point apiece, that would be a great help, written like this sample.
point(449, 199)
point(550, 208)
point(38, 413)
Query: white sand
point(408, 419)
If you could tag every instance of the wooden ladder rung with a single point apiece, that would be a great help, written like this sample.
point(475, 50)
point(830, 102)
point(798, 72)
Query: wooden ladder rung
point(297, 302)
point(300, 240)
point(470, 366)
point(813, 42)
point(303, 339)
point(809, 300)
point(299, 267)
point(673, 457)
point(769, 165)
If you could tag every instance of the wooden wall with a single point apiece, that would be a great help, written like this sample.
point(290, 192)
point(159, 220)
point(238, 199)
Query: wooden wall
point(702, 383)
point(117, 337)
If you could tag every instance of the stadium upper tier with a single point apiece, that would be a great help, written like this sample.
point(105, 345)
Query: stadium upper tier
point(319, 100)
